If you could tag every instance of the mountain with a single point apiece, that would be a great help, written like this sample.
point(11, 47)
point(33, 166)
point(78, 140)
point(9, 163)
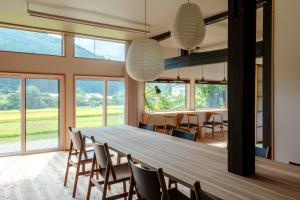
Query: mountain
point(35, 42)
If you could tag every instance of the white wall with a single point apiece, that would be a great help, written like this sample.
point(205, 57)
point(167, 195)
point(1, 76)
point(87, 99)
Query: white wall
point(287, 80)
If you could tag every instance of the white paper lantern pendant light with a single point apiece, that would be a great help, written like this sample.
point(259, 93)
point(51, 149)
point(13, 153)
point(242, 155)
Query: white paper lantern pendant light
point(188, 30)
point(144, 61)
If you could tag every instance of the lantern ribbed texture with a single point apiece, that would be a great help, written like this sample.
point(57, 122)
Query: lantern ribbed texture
point(144, 61)
point(188, 30)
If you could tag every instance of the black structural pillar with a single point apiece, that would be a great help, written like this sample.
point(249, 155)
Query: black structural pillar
point(241, 86)
point(267, 74)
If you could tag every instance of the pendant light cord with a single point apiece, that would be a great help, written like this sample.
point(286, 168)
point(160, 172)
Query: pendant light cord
point(145, 35)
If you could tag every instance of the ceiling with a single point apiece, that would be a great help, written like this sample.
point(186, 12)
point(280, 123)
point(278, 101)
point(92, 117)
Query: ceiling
point(127, 13)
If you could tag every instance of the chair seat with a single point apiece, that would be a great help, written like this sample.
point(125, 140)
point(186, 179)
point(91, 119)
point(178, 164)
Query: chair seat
point(212, 123)
point(122, 173)
point(175, 194)
point(89, 158)
point(163, 126)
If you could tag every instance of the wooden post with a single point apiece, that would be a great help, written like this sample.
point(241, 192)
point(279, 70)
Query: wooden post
point(241, 86)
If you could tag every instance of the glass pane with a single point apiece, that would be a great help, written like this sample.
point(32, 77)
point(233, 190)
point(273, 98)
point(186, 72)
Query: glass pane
point(210, 96)
point(30, 42)
point(99, 49)
point(84, 48)
point(172, 96)
point(42, 113)
point(108, 50)
point(10, 115)
point(89, 103)
point(115, 102)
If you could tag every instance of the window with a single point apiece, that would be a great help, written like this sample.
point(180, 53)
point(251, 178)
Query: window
point(99, 102)
point(31, 107)
point(99, 49)
point(172, 96)
point(25, 41)
point(210, 95)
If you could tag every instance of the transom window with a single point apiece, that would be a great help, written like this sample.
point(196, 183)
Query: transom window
point(25, 41)
point(210, 95)
point(99, 49)
point(171, 96)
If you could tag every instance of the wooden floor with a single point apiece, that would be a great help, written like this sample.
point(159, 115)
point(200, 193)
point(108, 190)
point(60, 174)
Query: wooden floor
point(40, 176)
point(219, 140)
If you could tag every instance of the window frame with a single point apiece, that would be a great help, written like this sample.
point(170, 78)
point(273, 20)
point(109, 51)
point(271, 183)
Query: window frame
point(105, 80)
point(62, 107)
point(63, 40)
point(187, 83)
point(211, 82)
point(100, 39)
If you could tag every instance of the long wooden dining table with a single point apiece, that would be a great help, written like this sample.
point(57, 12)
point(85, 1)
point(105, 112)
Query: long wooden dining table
point(186, 162)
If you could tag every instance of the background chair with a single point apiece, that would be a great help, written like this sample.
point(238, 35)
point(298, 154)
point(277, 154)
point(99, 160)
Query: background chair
point(262, 152)
point(146, 126)
point(214, 123)
point(170, 121)
point(110, 174)
point(193, 123)
point(150, 184)
point(184, 135)
point(83, 157)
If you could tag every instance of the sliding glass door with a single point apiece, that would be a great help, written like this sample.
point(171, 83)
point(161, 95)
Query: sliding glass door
point(10, 115)
point(89, 103)
point(30, 113)
point(99, 101)
point(42, 113)
point(115, 102)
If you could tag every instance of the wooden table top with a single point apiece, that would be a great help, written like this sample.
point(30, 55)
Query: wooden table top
point(187, 162)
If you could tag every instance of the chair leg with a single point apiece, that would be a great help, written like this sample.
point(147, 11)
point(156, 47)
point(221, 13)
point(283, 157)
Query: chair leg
point(76, 179)
point(131, 186)
point(104, 191)
point(89, 190)
point(124, 189)
point(119, 159)
point(67, 172)
point(68, 164)
point(169, 184)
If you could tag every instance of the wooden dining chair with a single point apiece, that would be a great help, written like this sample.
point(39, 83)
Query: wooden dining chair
point(82, 157)
point(193, 123)
point(146, 126)
point(170, 121)
point(109, 174)
point(150, 184)
point(213, 123)
point(184, 135)
point(262, 152)
point(200, 194)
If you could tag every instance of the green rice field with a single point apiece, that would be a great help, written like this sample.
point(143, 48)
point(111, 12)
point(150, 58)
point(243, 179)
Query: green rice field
point(43, 123)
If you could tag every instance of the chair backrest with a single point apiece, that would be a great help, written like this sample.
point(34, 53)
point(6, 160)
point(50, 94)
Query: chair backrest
point(146, 126)
point(184, 135)
point(76, 139)
point(262, 152)
point(147, 182)
point(199, 193)
point(103, 156)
